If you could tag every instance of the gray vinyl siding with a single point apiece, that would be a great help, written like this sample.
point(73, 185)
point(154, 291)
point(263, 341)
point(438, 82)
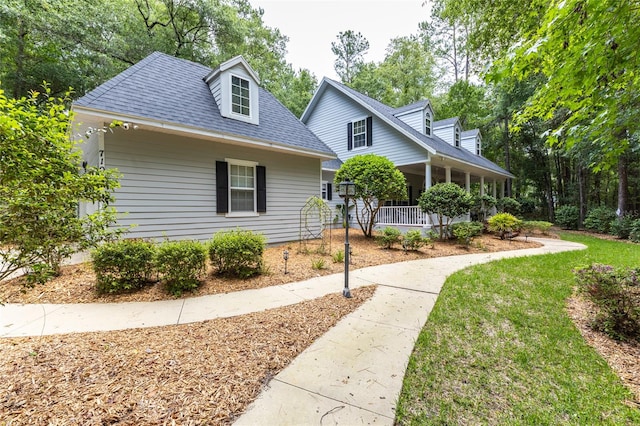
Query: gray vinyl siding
point(329, 122)
point(216, 91)
point(469, 144)
point(414, 119)
point(446, 134)
point(168, 187)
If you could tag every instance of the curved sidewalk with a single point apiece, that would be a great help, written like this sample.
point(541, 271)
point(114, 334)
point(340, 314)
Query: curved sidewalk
point(352, 374)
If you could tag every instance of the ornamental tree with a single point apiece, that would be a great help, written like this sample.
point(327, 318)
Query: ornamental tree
point(446, 201)
point(41, 184)
point(376, 181)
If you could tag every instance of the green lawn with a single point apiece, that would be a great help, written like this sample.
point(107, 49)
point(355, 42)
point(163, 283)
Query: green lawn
point(499, 348)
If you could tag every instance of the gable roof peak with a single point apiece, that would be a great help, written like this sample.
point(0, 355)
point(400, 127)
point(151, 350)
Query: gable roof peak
point(226, 65)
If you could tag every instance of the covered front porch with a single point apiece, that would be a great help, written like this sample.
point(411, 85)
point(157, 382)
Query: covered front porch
point(421, 176)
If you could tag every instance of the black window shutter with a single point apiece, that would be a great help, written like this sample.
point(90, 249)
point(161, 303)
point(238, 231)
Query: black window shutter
point(349, 136)
point(222, 187)
point(261, 180)
point(369, 131)
point(329, 191)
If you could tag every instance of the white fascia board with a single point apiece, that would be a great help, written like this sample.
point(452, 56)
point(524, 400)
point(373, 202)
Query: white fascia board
point(201, 133)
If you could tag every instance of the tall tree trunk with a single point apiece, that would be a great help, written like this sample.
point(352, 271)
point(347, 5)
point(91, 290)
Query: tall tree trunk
point(623, 184)
point(582, 192)
point(548, 182)
point(19, 85)
point(507, 154)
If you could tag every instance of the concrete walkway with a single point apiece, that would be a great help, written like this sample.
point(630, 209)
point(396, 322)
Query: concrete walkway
point(352, 374)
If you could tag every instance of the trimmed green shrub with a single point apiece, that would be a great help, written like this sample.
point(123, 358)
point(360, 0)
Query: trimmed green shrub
point(414, 240)
point(530, 226)
point(634, 235)
point(567, 217)
point(123, 265)
point(621, 227)
point(181, 264)
point(389, 237)
point(482, 206)
point(238, 253)
point(465, 231)
point(616, 294)
point(447, 201)
point(508, 205)
point(504, 224)
point(599, 219)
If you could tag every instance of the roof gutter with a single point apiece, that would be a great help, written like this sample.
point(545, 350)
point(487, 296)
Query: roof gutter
point(202, 133)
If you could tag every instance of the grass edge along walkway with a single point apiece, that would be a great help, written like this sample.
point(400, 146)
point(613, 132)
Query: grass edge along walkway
point(500, 348)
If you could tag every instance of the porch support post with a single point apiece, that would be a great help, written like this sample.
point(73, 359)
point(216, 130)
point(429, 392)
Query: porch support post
point(481, 186)
point(495, 187)
point(427, 175)
point(467, 181)
point(447, 172)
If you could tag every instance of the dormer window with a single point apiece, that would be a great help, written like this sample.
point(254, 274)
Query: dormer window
point(240, 99)
point(427, 123)
point(457, 136)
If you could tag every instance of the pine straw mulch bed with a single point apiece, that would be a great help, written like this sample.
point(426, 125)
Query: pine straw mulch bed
point(77, 282)
point(194, 374)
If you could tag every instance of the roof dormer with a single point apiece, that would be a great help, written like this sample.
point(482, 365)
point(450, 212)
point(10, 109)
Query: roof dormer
point(418, 115)
point(235, 88)
point(472, 141)
point(449, 130)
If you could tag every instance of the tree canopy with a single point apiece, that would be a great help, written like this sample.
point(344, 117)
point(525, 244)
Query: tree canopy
point(376, 181)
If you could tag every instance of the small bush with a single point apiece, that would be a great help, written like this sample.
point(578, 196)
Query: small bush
point(318, 264)
point(508, 205)
point(338, 256)
point(567, 217)
point(599, 219)
point(531, 226)
point(181, 264)
point(465, 231)
point(123, 265)
point(238, 252)
point(414, 240)
point(634, 234)
point(621, 227)
point(616, 294)
point(389, 237)
point(504, 224)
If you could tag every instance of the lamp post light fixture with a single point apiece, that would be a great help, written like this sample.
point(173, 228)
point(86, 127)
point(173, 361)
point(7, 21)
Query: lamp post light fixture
point(346, 189)
point(285, 256)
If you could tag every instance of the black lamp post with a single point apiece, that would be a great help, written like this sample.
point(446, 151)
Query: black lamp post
point(346, 189)
point(285, 256)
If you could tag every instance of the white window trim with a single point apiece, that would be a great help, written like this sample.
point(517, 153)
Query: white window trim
point(237, 114)
point(457, 137)
point(353, 134)
point(428, 115)
point(235, 162)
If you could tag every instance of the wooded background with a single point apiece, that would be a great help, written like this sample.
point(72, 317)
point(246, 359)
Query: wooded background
point(553, 86)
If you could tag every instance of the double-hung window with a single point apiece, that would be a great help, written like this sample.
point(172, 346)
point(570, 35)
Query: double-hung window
point(427, 123)
point(240, 96)
point(241, 188)
point(457, 136)
point(242, 191)
point(359, 133)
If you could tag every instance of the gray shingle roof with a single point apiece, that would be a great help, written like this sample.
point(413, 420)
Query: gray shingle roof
point(446, 122)
point(470, 133)
point(332, 164)
point(168, 89)
point(416, 105)
point(440, 146)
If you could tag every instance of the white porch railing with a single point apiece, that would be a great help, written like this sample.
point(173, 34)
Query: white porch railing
point(409, 216)
point(402, 215)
